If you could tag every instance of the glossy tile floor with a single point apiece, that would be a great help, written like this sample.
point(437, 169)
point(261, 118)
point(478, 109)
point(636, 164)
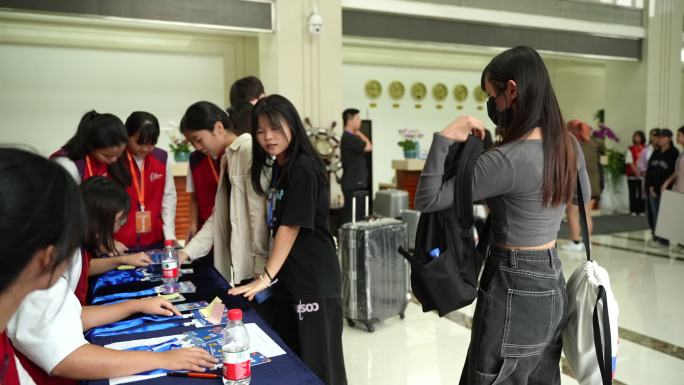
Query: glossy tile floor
point(648, 283)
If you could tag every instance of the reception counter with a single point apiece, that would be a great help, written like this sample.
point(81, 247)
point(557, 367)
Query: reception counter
point(408, 172)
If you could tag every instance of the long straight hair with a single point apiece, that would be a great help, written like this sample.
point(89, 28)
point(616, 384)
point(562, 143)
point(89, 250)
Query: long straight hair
point(40, 207)
point(278, 109)
point(103, 199)
point(536, 106)
point(95, 131)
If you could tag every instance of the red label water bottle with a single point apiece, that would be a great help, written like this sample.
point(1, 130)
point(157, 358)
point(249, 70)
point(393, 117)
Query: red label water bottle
point(236, 358)
point(170, 268)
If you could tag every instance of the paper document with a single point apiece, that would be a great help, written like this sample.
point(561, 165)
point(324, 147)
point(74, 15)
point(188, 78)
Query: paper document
point(142, 342)
point(260, 342)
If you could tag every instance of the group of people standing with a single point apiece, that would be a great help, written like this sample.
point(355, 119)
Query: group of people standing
point(653, 168)
point(260, 206)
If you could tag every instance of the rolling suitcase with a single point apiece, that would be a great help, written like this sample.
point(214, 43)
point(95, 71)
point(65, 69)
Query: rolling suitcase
point(411, 218)
point(391, 202)
point(374, 284)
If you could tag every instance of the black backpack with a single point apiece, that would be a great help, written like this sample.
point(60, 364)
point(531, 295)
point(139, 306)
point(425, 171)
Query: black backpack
point(449, 281)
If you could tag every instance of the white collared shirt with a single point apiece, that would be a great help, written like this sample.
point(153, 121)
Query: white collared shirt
point(47, 326)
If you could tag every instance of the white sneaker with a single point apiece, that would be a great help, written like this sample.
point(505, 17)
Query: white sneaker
point(573, 247)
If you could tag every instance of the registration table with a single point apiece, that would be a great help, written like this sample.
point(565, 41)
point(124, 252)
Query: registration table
point(283, 369)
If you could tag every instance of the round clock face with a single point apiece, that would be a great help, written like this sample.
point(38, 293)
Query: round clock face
point(440, 92)
point(396, 90)
point(418, 91)
point(480, 94)
point(460, 93)
point(373, 89)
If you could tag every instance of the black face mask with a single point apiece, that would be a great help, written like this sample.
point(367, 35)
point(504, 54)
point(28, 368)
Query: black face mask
point(499, 118)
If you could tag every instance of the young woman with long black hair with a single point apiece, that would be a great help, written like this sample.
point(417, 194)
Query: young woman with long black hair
point(99, 141)
point(41, 226)
point(237, 226)
point(306, 301)
point(47, 329)
point(526, 180)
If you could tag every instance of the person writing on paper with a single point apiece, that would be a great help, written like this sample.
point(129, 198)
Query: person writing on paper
point(148, 179)
point(41, 226)
point(527, 180)
point(306, 300)
point(48, 327)
point(93, 150)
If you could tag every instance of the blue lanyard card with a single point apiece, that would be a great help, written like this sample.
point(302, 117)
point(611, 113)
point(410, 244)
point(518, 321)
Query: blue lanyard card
point(191, 306)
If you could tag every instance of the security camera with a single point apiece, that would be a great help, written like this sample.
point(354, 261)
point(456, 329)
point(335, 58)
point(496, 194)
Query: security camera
point(315, 23)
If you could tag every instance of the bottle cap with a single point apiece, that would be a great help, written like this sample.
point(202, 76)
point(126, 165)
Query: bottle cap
point(234, 314)
point(170, 242)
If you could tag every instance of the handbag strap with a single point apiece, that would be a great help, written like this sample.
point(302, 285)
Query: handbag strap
point(606, 360)
point(583, 218)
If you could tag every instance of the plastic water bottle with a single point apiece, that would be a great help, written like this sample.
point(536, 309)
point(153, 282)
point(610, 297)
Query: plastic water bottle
point(236, 361)
point(170, 268)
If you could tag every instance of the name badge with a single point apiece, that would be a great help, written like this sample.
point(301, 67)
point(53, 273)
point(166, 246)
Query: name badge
point(143, 222)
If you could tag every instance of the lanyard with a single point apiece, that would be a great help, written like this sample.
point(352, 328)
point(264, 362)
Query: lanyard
point(272, 198)
point(160, 347)
point(89, 167)
point(118, 277)
point(136, 294)
point(213, 168)
point(136, 325)
point(139, 187)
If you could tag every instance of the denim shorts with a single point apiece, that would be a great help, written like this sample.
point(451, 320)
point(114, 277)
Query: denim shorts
point(521, 309)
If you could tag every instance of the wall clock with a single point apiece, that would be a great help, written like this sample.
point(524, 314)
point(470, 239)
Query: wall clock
point(396, 90)
point(373, 89)
point(480, 94)
point(440, 92)
point(460, 93)
point(418, 91)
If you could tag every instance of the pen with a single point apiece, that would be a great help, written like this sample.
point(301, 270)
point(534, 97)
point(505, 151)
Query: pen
point(192, 375)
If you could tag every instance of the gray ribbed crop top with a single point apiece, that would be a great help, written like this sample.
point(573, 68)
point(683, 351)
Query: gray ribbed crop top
point(510, 179)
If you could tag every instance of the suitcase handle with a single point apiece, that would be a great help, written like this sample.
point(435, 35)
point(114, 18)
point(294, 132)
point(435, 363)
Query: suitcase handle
point(355, 194)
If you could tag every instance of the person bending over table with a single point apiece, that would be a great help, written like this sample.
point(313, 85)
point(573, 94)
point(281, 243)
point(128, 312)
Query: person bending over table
point(48, 327)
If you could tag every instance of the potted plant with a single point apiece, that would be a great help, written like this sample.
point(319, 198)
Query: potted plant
point(180, 148)
point(409, 142)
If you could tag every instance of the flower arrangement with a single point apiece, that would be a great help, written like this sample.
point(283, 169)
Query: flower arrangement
point(180, 147)
point(604, 132)
point(615, 160)
point(410, 138)
point(179, 144)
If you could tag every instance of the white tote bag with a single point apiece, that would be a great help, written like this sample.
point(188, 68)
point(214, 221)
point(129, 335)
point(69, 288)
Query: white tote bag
point(590, 337)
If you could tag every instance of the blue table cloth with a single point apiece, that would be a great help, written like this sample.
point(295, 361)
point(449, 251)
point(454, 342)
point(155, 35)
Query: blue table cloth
point(284, 369)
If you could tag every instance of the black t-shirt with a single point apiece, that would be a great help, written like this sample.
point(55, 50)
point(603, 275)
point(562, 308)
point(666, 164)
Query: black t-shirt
point(311, 270)
point(355, 171)
point(660, 166)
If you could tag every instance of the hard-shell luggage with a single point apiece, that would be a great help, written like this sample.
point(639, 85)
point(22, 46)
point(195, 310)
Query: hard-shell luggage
point(374, 274)
point(411, 218)
point(391, 202)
